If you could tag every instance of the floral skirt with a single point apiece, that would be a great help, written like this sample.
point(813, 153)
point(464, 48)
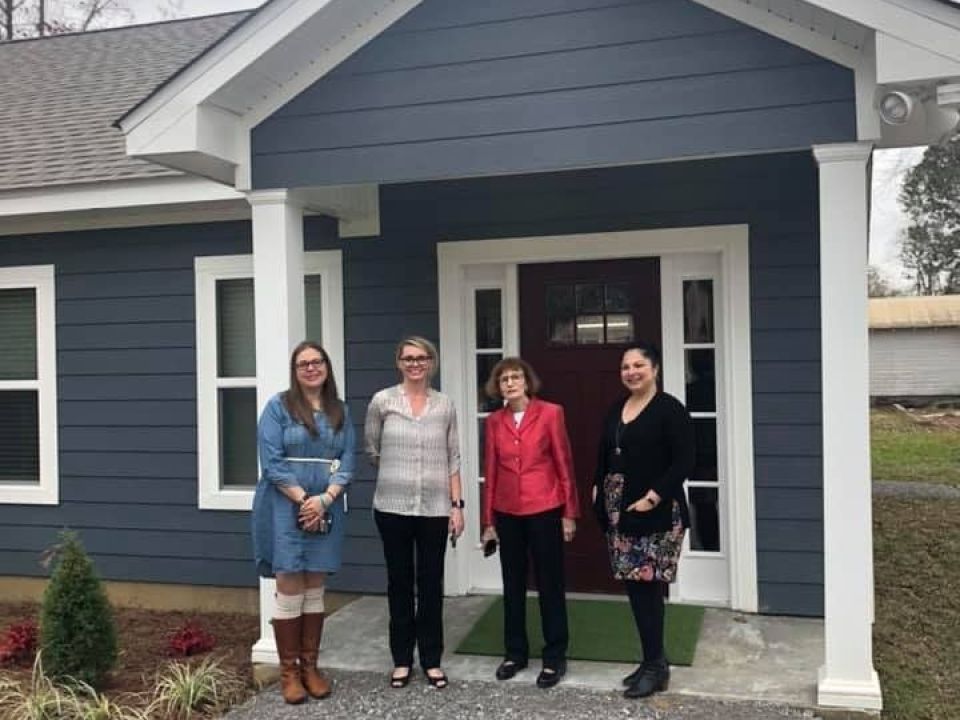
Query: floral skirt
point(651, 557)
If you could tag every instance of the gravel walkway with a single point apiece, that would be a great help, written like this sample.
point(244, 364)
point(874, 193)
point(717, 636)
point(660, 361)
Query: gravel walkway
point(903, 488)
point(366, 695)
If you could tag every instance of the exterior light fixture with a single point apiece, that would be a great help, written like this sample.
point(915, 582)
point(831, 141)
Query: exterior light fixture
point(896, 107)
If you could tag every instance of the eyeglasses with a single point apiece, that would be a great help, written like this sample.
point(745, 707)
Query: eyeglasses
point(415, 359)
point(508, 378)
point(311, 364)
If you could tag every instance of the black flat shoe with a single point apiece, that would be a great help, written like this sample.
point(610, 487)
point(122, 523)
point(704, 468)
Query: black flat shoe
point(400, 681)
point(438, 681)
point(549, 677)
point(509, 668)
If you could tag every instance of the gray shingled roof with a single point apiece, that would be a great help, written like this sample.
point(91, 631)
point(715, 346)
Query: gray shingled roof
point(59, 97)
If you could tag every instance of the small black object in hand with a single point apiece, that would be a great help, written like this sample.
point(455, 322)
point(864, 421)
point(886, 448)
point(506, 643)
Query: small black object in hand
point(489, 547)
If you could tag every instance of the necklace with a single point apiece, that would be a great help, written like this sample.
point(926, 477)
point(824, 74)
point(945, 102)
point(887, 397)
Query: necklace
point(619, 431)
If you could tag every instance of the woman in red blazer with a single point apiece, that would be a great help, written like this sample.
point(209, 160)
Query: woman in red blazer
point(530, 508)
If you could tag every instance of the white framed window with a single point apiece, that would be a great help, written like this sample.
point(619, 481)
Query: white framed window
point(29, 473)
point(226, 366)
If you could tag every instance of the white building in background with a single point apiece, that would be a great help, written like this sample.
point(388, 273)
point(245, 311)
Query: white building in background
point(915, 347)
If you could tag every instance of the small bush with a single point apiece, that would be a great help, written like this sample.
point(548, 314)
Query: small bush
point(19, 643)
point(185, 691)
point(78, 637)
point(191, 639)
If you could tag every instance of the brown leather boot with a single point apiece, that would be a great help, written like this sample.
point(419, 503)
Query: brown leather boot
point(315, 683)
point(287, 634)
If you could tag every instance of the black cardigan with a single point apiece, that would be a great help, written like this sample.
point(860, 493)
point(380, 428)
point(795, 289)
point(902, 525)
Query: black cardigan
point(657, 452)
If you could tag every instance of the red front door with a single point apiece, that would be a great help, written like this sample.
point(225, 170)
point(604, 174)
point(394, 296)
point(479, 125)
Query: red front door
point(575, 320)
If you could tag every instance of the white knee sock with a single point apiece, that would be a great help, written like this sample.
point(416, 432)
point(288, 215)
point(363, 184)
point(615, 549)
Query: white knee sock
point(313, 600)
point(288, 606)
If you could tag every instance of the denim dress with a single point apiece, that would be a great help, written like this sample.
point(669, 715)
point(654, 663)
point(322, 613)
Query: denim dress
point(279, 546)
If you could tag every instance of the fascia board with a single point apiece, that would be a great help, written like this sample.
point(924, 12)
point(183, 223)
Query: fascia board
point(902, 62)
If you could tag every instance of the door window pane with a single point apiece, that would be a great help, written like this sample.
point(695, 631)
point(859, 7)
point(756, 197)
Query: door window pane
point(698, 311)
point(238, 437)
point(481, 444)
point(18, 334)
point(19, 436)
point(485, 364)
point(704, 519)
point(589, 329)
point(488, 320)
point(313, 307)
point(235, 329)
point(618, 298)
point(619, 329)
point(560, 300)
point(562, 330)
point(701, 380)
point(590, 298)
point(705, 430)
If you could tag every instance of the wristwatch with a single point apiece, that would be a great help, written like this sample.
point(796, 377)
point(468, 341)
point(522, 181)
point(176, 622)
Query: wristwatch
point(457, 503)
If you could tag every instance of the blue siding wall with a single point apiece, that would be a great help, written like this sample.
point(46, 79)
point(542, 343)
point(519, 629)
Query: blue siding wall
point(460, 89)
point(125, 332)
point(776, 195)
point(127, 410)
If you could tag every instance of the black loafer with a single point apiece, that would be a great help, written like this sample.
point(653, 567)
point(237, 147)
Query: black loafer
point(508, 668)
point(549, 677)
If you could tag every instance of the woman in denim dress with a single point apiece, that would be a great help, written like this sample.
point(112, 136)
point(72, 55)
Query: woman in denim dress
point(306, 444)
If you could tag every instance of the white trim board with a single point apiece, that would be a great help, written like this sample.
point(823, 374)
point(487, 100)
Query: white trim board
point(328, 264)
point(41, 278)
point(732, 243)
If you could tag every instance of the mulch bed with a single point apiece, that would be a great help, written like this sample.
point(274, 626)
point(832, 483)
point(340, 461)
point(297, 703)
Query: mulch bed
point(143, 636)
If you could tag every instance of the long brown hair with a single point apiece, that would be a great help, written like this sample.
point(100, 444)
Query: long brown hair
point(296, 402)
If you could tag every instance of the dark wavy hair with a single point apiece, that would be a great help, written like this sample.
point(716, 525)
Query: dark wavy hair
point(648, 350)
point(296, 402)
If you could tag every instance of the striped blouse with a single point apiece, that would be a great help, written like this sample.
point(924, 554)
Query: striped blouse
point(415, 456)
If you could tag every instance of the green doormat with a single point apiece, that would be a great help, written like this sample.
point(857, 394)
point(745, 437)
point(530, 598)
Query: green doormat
point(599, 630)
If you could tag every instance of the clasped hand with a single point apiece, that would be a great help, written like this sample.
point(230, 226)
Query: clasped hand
point(311, 512)
point(645, 504)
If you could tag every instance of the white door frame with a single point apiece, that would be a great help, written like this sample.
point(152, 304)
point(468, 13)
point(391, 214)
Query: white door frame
point(731, 242)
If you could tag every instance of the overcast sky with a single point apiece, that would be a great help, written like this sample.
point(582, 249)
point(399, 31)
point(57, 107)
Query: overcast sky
point(148, 10)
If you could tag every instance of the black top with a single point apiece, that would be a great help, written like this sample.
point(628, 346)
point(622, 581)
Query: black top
point(658, 452)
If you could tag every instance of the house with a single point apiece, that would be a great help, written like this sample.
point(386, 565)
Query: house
point(514, 176)
point(914, 348)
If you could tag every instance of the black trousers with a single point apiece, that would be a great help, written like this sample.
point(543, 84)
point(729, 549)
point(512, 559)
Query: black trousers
point(539, 537)
point(646, 602)
point(414, 548)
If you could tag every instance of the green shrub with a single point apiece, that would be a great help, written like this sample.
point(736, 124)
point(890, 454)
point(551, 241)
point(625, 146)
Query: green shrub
point(77, 633)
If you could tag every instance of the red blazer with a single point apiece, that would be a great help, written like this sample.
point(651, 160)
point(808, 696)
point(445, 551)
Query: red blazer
point(529, 469)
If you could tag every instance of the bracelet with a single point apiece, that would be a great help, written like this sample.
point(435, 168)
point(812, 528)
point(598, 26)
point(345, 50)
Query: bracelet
point(457, 504)
point(326, 499)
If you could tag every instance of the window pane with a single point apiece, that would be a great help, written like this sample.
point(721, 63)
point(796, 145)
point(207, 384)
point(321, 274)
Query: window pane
point(18, 334)
point(619, 328)
point(238, 437)
point(704, 519)
point(19, 437)
point(698, 311)
point(481, 443)
point(589, 329)
point(701, 381)
point(235, 330)
point(314, 308)
point(485, 364)
point(705, 430)
point(589, 298)
point(560, 300)
point(618, 298)
point(561, 330)
point(489, 324)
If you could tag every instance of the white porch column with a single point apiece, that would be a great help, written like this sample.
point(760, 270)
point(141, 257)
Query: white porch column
point(847, 678)
point(279, 315)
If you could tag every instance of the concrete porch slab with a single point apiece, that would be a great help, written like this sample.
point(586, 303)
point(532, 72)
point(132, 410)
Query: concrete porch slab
point(743, 657)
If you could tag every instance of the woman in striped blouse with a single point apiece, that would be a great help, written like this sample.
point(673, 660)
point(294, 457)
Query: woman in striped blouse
point(411, 436)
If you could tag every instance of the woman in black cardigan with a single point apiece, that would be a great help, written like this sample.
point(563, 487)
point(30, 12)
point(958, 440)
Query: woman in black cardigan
point(646, 453)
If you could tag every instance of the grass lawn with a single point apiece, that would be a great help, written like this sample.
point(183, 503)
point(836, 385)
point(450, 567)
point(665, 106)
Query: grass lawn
point(917, 631)
point(903, 449)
